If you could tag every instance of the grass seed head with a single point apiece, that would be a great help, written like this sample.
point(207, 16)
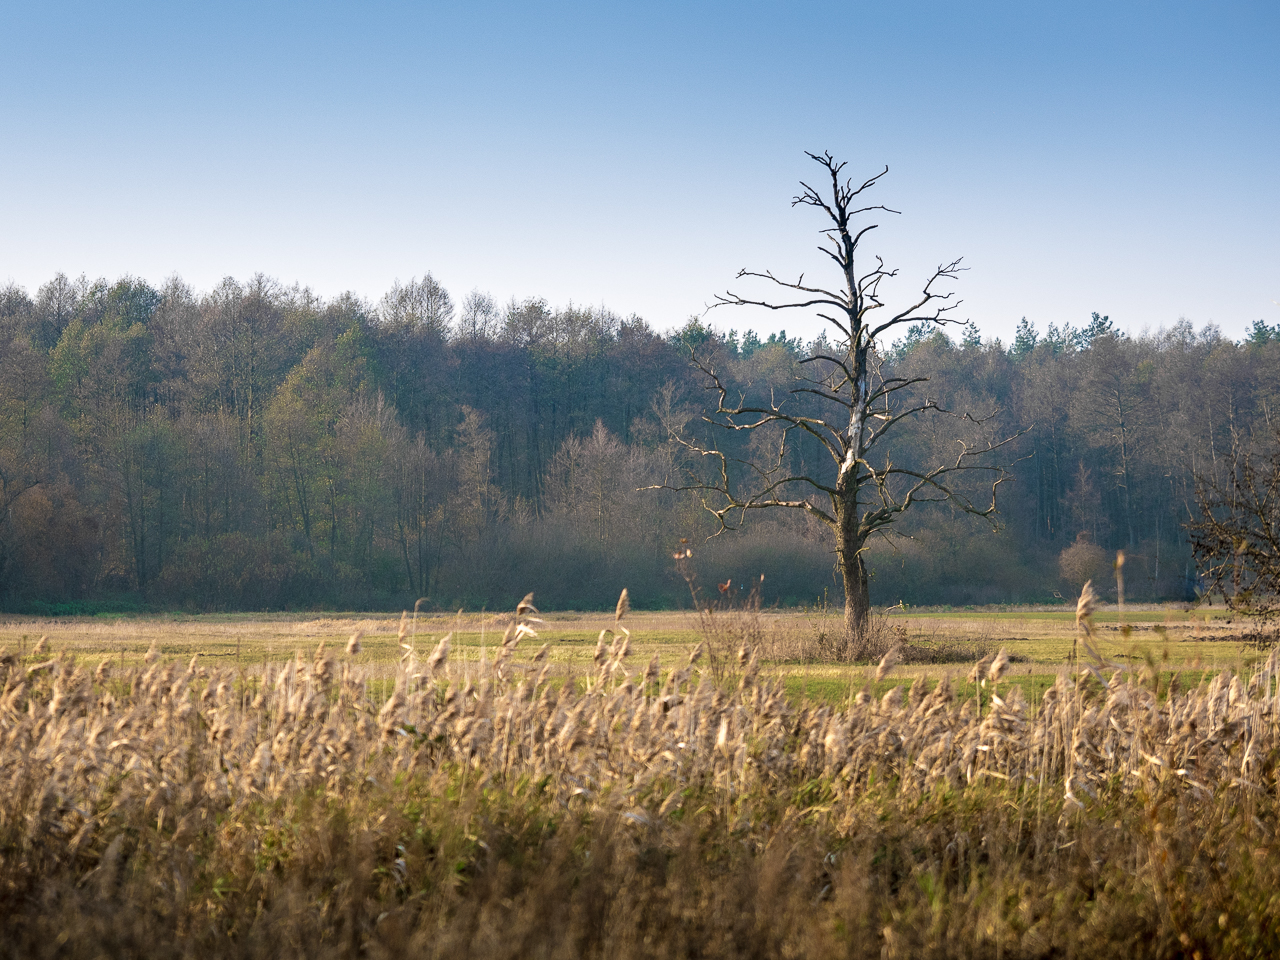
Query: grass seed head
point(887, 663)
point(440, 654)
point(998, 666)
point(1086, 606)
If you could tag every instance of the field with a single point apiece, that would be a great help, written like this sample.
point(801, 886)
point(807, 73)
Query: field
point(231, 786)
point(1039, 641)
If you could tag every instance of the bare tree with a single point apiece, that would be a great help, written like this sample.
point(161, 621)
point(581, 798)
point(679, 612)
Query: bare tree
point(419, 305)
point(1236, 538)
point(480, 317)
point(855, 410)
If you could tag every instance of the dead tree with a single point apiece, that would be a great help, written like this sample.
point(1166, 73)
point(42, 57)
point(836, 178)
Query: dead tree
point(859, 407)
point(1236, 538)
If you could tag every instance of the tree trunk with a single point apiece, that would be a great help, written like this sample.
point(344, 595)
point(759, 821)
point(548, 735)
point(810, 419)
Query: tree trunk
point(857, 597)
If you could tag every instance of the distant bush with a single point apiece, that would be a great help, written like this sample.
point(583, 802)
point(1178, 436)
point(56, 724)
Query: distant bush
point(1084, 561)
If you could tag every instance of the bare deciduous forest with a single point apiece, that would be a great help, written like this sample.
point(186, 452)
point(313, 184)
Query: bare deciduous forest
point(256, 447)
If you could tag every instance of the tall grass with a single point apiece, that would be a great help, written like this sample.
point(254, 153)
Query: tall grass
point(509, 810)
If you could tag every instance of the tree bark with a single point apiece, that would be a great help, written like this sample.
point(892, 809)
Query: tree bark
point(849, 543)
point(857, 597)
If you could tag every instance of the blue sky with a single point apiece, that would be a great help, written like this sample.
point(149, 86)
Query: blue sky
point(1119, 157)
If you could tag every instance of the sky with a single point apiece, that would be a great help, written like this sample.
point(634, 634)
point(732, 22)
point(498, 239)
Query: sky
point(1113, 157)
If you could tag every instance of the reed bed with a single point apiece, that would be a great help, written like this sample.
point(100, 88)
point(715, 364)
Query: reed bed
point(635, 810)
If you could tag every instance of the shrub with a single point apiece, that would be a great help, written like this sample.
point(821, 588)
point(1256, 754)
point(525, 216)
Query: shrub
point(1084, 561)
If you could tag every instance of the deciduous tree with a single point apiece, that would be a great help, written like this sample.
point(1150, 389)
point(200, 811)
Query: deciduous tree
point(854, 410)
point(1236, 537)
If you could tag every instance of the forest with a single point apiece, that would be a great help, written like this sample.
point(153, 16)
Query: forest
point(258, 447)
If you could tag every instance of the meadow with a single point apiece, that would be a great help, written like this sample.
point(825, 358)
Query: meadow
point(947, 642)
point(647, 785)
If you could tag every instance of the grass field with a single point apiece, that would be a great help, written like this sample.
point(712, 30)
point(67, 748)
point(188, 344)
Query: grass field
point(243, 787)
point(1038, 640)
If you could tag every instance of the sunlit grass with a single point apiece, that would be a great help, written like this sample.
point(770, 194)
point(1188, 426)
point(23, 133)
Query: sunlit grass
point(278, 793)
point(1040, 641)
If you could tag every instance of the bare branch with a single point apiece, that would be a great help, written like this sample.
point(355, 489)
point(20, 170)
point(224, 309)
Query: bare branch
point(892, 385)
point(866, 496)
point(910, 315)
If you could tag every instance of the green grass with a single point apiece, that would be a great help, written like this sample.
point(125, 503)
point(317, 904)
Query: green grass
point(1040, 641)
point(838, 692)
point(1173, 616)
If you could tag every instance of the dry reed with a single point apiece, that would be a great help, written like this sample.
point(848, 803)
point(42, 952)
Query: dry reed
point(180, 811)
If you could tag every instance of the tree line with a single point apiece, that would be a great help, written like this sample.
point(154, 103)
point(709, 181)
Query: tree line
point(256, 446)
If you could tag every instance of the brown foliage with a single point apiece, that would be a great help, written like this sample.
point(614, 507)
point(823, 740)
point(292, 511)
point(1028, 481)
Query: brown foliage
point(1083, 561)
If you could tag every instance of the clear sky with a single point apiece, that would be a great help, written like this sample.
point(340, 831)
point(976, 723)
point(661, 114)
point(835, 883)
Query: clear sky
point(1119, 157)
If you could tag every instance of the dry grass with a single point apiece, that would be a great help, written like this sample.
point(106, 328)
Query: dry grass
point(488, 808)
point(1041, 636)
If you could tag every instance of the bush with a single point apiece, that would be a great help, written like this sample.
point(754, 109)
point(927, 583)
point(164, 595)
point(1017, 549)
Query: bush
point(1084, 561)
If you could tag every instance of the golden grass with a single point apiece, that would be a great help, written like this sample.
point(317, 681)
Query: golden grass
point(1040, 641)
point(461, 798)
